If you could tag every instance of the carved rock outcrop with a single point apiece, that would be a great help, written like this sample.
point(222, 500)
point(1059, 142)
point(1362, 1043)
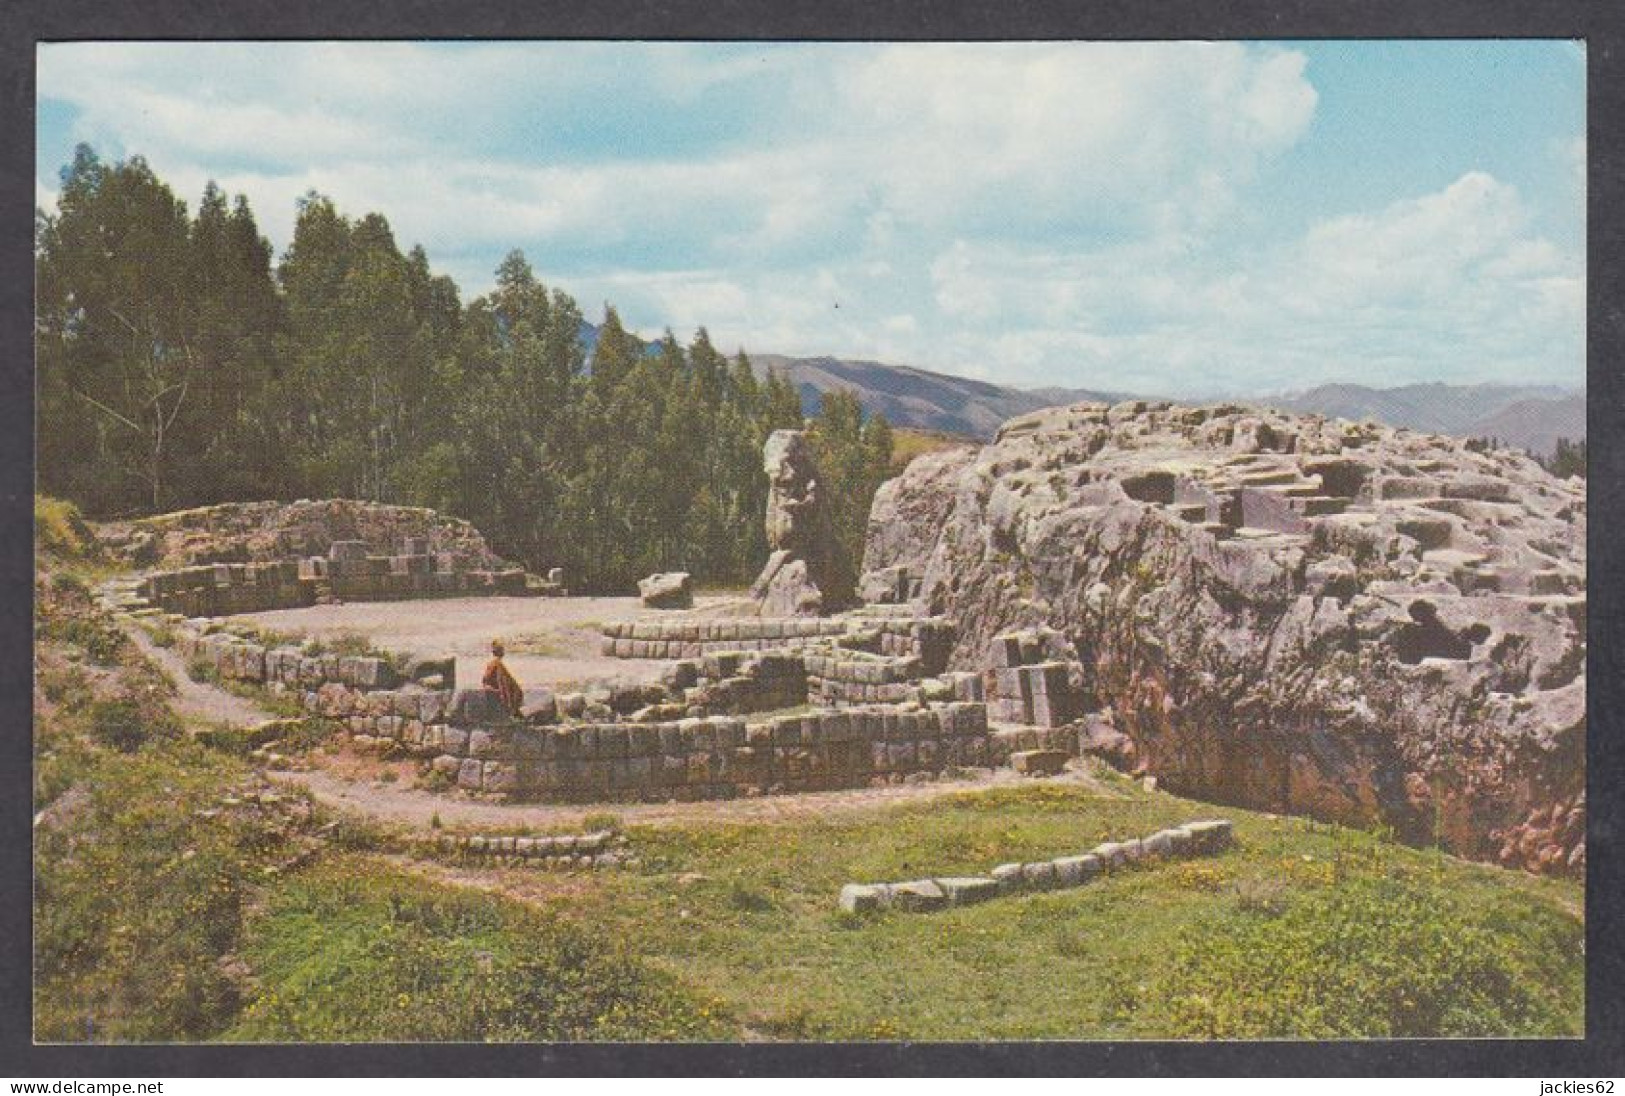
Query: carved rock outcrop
point(1342, 620)
point(807, 573)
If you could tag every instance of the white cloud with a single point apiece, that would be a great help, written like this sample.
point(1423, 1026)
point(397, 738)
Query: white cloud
point(1449, 285)
point(1043, 213)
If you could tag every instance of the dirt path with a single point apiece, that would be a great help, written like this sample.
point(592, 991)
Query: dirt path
point(194, 699)
point(415, 808)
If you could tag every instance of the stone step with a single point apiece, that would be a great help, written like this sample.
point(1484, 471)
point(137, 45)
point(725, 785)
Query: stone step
point(1280, 478)
point(1317, 505)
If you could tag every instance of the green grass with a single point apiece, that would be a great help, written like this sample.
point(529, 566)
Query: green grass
point(1259, 941)
point(356, 951)
point(171, 906)
point(137, 897)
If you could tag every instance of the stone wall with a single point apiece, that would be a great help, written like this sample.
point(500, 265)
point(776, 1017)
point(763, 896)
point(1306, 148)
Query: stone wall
point(223, 589)
point(738, 682)
point(714, 758)
point(235, 658)
point(696, 638)
point(836, 678)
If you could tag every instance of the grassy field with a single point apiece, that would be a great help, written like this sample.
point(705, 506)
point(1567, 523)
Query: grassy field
point(178, 897)
point(1301, 930)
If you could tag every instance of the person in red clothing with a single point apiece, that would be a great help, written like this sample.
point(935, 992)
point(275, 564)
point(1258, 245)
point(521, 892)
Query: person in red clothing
point(498, 680)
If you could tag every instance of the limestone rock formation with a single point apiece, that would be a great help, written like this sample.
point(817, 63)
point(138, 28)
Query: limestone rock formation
point(904, 520)
point(1336, 619)
point(807, 573)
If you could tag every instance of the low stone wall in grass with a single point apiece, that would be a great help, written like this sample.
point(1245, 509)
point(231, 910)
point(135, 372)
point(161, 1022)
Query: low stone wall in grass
point(923, 895)
point(582, 851)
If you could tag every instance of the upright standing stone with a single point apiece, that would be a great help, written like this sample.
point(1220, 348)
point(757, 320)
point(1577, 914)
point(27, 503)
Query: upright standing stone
point(807, 574)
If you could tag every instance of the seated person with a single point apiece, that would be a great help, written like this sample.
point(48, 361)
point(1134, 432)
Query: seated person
point(500, 681)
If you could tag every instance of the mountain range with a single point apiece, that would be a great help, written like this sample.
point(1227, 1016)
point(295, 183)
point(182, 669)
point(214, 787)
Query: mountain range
point(1531, 417)
point(919, 399)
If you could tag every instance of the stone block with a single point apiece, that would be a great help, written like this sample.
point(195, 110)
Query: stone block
point(1074, 871)
point(1009, 877)
point(864, 897)
point(1210, 836)
point(501, 776)
point(1040, 875)
point(470, 773)
point(1038, 762)
point(919, 896)
point(1111, 855)
point(965, 891)
point(668, 590)
point(1005, 651)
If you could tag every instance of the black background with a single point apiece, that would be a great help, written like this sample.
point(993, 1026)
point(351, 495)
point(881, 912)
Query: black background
point(23, 23)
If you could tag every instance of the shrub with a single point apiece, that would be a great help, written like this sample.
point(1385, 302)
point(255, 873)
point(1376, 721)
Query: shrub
point(120, 723)
point(60, 530)
point(101, 641)
point(602, 820)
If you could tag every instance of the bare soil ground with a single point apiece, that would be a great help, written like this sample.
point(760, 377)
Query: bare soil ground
point(415, 807)
point(552, 642)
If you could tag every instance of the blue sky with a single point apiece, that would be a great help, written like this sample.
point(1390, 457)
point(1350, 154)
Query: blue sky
point(1184, 218)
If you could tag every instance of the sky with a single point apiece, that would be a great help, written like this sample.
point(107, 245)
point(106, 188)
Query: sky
point(1179, 218)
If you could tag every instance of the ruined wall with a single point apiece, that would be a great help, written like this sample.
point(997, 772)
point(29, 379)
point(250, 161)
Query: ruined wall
point(714, 758)
point(254, 532)
point(414, 707)
point(223, 589)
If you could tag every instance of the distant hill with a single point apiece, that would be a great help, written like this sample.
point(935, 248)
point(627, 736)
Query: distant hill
point(918, 398)
point(1529, 417)
point(1536, 424)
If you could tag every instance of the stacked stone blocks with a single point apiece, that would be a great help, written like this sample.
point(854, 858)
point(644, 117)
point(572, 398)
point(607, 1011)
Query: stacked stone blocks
point(1030, 687)
point(707, 758)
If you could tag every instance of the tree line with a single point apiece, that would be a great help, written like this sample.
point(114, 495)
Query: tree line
point(181, 363)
